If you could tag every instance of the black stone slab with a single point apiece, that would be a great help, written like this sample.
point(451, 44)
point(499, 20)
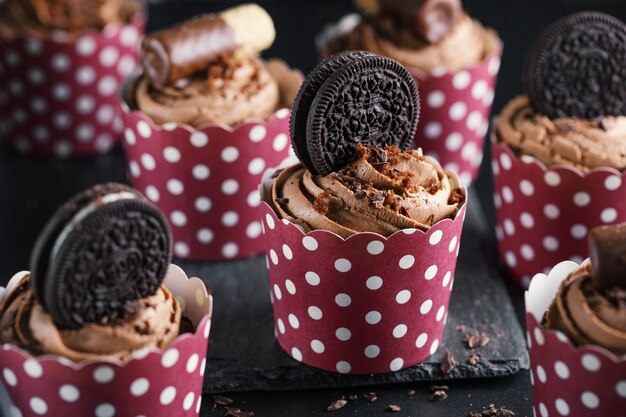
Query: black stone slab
point(244, 356)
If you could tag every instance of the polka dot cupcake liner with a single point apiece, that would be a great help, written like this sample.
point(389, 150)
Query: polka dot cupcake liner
point(454, 107)
point(152, 383)
point(362, 305)
point(544, 214)
point(206, 180)
point(567, 380)
point(59, 94)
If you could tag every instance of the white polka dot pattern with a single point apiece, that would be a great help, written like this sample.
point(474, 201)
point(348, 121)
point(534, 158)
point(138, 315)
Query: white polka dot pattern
point(206, 181)
point(454, 115)
point(544, 215)
point(69, 86)
point(123, 389)
point(332, 315)
point(593, 377)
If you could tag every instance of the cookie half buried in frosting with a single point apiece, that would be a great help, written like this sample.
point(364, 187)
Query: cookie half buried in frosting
point(590, 308)
point(381, 191)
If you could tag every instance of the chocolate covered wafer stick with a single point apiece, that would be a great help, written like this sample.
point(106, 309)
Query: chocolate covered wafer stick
point(179, 52)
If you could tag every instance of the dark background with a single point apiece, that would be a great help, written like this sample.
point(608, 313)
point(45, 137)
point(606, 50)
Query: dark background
point(31, 189)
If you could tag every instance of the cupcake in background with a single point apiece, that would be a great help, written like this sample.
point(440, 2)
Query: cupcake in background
point(360, 206)
point(203, 122)
point(453, 59)
point(61, 67)
point(559, 152)
point(576, 319)
point(103, 324)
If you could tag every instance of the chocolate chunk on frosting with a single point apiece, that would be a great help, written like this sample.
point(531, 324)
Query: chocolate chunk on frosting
point(607, 250)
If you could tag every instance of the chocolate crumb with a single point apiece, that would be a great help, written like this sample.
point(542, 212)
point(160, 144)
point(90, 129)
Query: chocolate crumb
point(221, 400)
point(473, 359)
point(337, 404)
point(282, 200)
point(493, 411)
point(394, 408)
point(370, 397)
point(321, 203)
point(378, 199)
point(353, 397)
point(235, 412)
point(456, 197)
point(474, 340)
point(439, 395)
point(411, 392)
point(448, 363)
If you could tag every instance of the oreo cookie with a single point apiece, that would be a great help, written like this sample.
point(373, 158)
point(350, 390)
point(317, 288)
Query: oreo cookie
point(101, 251)
point(353, 97)
point(577, 68)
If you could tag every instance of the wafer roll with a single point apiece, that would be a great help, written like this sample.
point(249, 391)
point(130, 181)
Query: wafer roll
point(179, 52)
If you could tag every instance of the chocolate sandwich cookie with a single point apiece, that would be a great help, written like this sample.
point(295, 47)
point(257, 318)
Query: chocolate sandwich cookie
point(102, 250)
point(576, 68)
point(354, 97)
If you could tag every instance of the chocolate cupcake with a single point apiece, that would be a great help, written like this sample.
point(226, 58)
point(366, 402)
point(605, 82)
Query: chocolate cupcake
point(453, 59)
point(102, 311)
point(577, 331)
point(203, 121)
point(558, 153)
point(360, 203)
point(62, 65)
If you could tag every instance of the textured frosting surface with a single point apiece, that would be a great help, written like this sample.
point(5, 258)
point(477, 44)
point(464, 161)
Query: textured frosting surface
point(584, 144)
point(23, 322)
point(382, 191)
point(233, 89)
point(466, 44)
point(588, 315)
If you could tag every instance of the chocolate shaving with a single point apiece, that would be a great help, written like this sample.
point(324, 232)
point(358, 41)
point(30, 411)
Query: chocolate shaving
point(336, 405)
point(378, 199)
point(370, 397)
point(473, 359)
point(235, 412)
point(394, 408)
point(492, 411)
point(411, 392)
point(474, 340)
point(221, 400)
point(439, 395)
point(448, 363)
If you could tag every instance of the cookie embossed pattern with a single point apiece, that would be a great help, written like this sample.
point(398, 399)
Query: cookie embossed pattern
point(373, 285)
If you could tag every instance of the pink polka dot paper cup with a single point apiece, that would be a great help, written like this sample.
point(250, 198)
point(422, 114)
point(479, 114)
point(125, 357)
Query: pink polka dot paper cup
point(362, 305)
point(152, 383)
point(544, 214)
point(567, 380)
point(454, 106)
point(206, 180)
point(59, 94)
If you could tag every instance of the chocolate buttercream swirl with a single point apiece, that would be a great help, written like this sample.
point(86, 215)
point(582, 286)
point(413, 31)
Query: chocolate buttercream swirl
point(465, 44)
point(154, 323)
point(589, 315)
point(233, 89)
point(381, 191)
point(584, 144)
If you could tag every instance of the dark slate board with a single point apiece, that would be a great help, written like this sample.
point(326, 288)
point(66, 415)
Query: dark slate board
point(244, 356)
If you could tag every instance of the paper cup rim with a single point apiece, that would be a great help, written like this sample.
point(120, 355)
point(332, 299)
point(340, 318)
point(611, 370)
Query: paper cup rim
point(537, 298)
point(349, 21)
point(459, 216)
point(278, 114)
point(120, 364)
point(66, 38)
point(542, 168)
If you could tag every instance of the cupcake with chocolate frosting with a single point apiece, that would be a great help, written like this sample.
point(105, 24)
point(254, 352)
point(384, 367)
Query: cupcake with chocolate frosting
point(363, 232)
point(577, 330)
point(217, 116)
point(559, 155)
point(453, 59)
